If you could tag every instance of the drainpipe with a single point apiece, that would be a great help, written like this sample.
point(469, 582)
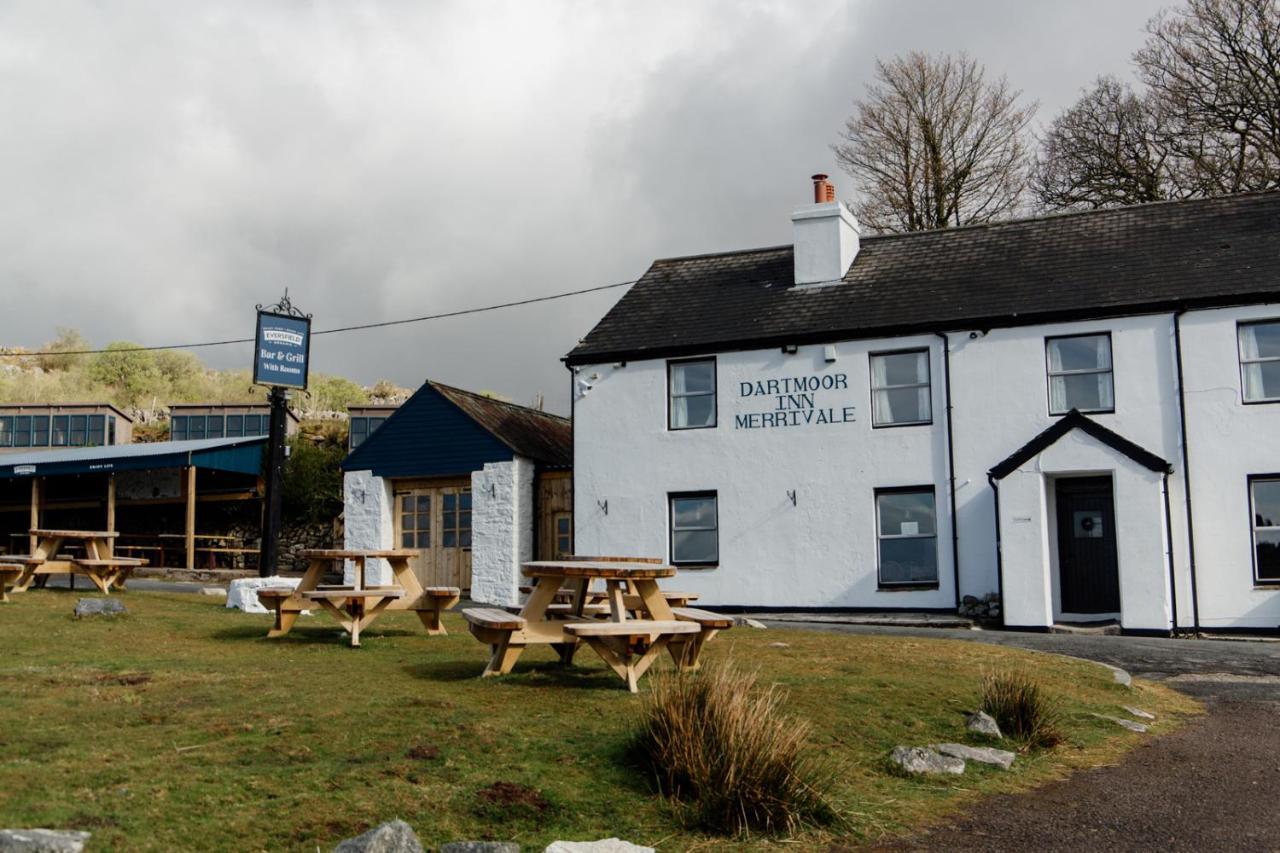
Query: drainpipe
point(1173, 583)
point(573, 458)
point(1004, 606)
point(1186, 469)
point(951, 472)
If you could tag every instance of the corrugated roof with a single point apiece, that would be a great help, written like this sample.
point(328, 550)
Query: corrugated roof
point(202, 453)
point(1128, 260)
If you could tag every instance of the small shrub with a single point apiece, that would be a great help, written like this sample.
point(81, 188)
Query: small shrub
point(721, 749)
point(1022, 709)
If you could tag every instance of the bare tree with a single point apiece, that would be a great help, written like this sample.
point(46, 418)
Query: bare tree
point(1214, 65)
point(1206, 123)
point(1107, 149)
point(933, 144)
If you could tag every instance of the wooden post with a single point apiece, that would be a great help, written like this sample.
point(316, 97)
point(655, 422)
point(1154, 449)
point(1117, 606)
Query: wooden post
point(35, 512)
point(191, 516)
point(111, 513)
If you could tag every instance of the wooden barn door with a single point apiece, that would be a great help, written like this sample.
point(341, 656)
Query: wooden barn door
point(434, 519)
point(555, 511)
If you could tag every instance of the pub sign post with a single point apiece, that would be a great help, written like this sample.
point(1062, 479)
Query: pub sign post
point(281, 360)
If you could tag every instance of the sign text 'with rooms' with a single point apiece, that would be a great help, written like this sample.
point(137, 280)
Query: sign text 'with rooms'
point(795, 401)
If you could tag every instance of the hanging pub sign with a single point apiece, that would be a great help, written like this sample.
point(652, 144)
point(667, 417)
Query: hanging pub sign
point(282, 350)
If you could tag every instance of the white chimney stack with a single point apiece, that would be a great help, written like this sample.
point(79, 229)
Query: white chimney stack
point(826, 236)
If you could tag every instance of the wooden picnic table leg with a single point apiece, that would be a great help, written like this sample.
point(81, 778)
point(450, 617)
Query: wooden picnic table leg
point(655, 604)
point(505, 655)
point(98, 579)
point(615, 594)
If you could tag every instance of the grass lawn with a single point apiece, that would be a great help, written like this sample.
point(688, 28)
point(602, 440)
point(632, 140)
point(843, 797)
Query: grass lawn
point(181, 726)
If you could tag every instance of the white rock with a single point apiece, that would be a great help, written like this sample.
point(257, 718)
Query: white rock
point(920, 761)
point(1128, 724)
point(243, 592)
point(42, 841)
point(779, 645)
point(982, 723)
point(605, 845)
point(1138, 712)
point(394, 836)
point(213, 591)
point(1001, 758)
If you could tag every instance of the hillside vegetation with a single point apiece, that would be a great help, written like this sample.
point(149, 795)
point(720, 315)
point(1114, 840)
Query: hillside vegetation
point(143, 383)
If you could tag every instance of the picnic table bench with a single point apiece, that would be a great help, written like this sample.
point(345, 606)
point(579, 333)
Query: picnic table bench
point(357, 605)
point(103, 570)
point(9, 574)
point(629, 624)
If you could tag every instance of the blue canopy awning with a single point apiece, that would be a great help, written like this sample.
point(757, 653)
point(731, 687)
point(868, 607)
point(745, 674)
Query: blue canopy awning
point(237, 455)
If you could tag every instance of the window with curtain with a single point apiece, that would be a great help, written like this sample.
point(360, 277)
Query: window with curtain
point(1264, 494)
point(79, 430)
point(1260, 361)
point(40, 431)
point(907, 529)
point(691, 386)
point(6, 431)
point(900, 388)
point(1080, 375)
point(61, 426)
point(695, 529)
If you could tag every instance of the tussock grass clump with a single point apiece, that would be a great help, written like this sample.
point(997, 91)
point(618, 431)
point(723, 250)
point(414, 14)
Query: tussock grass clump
point(1022, 709)
point(723, 751)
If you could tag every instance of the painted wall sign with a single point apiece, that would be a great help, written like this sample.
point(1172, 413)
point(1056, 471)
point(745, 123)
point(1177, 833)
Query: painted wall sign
point(795, 401)
point(282, 350)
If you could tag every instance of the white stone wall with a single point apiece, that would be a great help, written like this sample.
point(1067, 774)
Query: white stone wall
point(502, 529)
point(368, 507)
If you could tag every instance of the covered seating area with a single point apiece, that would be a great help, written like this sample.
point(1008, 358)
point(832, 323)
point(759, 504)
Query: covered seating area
point(126, 495)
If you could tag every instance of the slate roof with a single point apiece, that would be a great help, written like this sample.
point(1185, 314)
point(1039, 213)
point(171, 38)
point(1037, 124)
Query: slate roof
point(1131, 260)
point(1075, 420)
point(540, 436)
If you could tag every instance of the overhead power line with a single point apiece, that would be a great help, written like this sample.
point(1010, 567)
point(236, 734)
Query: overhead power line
point(378, 325)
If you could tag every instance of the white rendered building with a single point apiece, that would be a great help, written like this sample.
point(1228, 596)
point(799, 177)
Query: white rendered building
point(1079, 412)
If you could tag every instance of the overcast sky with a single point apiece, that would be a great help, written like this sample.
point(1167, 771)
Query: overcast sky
point(166, 165)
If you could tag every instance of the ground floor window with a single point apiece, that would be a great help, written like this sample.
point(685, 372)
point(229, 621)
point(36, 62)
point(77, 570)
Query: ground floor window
point(415, 521)
point(455, 531)
point(695, 529)
point(1264, 495)
point(564, 534)
point(908, 537)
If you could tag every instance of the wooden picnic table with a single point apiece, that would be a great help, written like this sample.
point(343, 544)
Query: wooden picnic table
point(98, 564)
point(628, 643)
point(357, 605)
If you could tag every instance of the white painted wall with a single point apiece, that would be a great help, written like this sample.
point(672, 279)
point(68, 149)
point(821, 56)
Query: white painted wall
point(1228, 442)
point(1028, 534)
point(822, 551)
point(502, 529)
point(368, 507)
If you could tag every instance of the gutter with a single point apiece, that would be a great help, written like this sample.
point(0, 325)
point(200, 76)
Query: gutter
point(1186, 469)
point(951, 473)
point(1004, 607)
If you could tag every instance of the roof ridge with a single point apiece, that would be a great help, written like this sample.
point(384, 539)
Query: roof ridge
point(755, 251)
point(438, 385)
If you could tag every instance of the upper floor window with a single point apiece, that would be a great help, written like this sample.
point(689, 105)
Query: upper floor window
point(97, 430)
point(907, 529)
point(1260, 361)
point(900, 388)
point(1080, 377)
point(691, 387)
point(361, 428)
point(1264, 494)
point(695, 529)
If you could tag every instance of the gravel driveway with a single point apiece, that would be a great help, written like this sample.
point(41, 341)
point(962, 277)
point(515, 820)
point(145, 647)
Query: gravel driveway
point(1212, 785)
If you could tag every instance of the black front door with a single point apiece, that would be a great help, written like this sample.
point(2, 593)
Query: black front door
point(1088, 572)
